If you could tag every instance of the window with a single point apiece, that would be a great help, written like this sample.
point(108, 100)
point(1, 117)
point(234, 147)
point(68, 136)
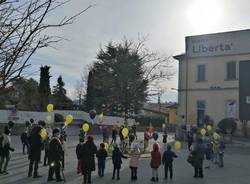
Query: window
point(201, 73)
point(201, 108)
point(231, 109)
point(231, 70)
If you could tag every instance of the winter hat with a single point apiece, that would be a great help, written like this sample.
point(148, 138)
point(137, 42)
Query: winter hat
point(90, 138)
point(55, 131)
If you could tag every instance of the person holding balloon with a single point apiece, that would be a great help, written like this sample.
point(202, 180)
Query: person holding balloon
point(88, 159)
point(155, 162)
point(101, 157)
point(37, 135)
point(198, 157)
point(134, 161)
point(117, 161)
point(55, 156)
point(167, 161)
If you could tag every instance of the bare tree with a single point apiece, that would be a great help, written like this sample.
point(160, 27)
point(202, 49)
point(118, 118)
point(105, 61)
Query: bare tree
point(23, 28)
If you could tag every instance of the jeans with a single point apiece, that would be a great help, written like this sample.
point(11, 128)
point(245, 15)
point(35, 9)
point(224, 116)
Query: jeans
point(169, 167)
point(25, 144)
point(101, 167)
point(4, 164)
point(198, 172)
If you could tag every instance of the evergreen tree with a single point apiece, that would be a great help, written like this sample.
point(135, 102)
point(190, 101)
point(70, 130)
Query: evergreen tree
point(59, 98)
point(89, 103)
point(44, 87)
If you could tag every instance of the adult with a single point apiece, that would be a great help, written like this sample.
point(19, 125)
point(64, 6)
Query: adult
point(25, 141)
point(87, 156)
point(114, 135)
point(5, 150)
point(36, 145)
point(55, 153)
point(134, 130)
point(198, 158)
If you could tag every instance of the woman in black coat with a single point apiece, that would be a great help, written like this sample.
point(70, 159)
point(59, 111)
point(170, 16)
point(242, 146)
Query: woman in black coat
point(198, 157)
point(87, 156)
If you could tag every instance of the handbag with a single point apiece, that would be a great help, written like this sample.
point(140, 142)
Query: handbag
point(190, 159)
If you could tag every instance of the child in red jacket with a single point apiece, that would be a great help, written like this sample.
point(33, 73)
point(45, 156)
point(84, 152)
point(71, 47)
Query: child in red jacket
point(155, 162)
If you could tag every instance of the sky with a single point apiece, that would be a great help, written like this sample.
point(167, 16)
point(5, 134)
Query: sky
point(165, 22)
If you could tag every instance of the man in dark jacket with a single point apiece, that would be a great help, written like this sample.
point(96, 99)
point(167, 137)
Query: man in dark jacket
point(101, 157)
point(198, 156)
point(88, 159)
point(36, 145)
point(167, 160)
point(117, 161)
point(55, 156)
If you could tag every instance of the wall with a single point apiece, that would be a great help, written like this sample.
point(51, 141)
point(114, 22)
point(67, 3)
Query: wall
point(21, 116)
point(215, 98)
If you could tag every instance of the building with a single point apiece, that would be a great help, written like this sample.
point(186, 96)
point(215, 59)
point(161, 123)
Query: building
point(214, 77)
point(165, 111)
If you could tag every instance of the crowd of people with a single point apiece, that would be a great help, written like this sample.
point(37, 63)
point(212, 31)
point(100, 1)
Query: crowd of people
point(201, 148)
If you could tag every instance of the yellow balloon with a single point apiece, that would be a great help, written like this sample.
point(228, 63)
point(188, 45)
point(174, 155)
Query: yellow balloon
point(125, 132)
point(163, 125)
point(203, 132)
point(69, 119)
point(216, 136)
point(43, 133)
point(177, 145)
point(50, 107)
point(209, 127)
point(106, 146)
point(101, 116)
point(49, 118)
point(85, 127)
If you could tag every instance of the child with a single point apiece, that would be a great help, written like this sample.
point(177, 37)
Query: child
point(167, 160)
point(114, 135)
point(101, 156)
point(117, 161)
point(25, 141)
point(135, 156)
point(222, 148)
point(155, 162)
point(78, 154)
point(209, 154)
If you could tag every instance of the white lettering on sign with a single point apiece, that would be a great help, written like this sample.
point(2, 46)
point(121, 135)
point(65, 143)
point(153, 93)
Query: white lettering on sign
point(228, 43)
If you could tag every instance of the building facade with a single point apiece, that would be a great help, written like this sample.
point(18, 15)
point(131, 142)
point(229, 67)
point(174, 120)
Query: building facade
point(214, 77)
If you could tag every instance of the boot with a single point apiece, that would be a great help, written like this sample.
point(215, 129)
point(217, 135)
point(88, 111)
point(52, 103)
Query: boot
point(152, 179)
point(156, 179)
